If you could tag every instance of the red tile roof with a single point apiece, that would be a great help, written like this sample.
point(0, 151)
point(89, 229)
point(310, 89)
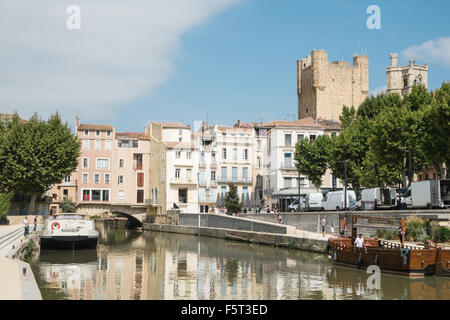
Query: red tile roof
point(95, 127)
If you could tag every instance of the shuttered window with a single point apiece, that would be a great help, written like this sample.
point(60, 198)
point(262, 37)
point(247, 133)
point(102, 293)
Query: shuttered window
point(140, 179)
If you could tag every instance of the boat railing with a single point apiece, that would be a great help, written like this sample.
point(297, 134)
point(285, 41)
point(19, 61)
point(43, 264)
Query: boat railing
point(394, 245)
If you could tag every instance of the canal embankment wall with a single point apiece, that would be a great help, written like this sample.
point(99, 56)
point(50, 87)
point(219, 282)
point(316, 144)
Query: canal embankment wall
point(16, 276)
point(306, 241)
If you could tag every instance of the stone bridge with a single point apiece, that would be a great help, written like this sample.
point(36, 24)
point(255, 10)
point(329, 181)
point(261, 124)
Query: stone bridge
point(135, 219)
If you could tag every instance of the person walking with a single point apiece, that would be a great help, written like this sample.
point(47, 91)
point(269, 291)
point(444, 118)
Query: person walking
point(25, 222)
point(35, 223)
point(332, 229)
point(324, 225)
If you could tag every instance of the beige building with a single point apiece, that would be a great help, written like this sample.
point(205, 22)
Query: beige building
point(324, 87)
point(401, 79)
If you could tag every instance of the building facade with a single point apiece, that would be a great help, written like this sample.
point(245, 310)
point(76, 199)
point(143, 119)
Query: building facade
point(401, 79)
point(324, 87)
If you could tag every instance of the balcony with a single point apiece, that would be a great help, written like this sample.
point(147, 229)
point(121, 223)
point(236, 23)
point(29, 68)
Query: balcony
point(244, 180)
point(183, 181)
point(288, 167)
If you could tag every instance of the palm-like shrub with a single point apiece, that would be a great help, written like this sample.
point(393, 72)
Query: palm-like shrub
point(415, 229)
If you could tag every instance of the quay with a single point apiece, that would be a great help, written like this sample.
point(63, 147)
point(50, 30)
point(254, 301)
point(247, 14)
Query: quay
point(17, 281)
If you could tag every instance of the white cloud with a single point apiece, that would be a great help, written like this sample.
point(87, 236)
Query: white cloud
point(377, 91)
point(123, 51)
point(435, 51)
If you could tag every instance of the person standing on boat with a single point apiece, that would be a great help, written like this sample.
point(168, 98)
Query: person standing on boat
point(359, 242)
point(324, 225)
point(400, 233)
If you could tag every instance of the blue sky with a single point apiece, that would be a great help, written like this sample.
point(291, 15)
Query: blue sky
point(238, 60)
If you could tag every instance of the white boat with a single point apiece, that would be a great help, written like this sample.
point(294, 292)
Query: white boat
point(69, 231)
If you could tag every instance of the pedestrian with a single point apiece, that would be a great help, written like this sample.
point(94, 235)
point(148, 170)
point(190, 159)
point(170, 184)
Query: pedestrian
point(25, 222)
point(276, 209)
point(359, 242)
point(280, 221)
point(35, 223)
point(268, 209)
point(324, 225)
point(400, 233)
point(332, 229)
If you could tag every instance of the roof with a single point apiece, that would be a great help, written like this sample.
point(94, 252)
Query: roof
point(10, 116)
point(179, 145)
point(95, 127)
point(174, 125)
point(133, 135)
point(306, 122)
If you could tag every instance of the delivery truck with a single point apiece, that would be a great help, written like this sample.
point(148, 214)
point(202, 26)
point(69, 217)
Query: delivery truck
point(423, 194)
point(378, 198)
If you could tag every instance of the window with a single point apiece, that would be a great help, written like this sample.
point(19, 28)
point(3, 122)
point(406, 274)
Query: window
point(234, 154)
point(162, 155)
point(306, 110)
point(85, 144)
point(121, 163)
point(140, 179)
point(107, 178)
point(182, 195)
point(224, 153)
point(245, 154)
point(120, 179)
point(140, 196)
point(189, 174)
point(98, 145)
point(234, 173)
point(224, 174)
point(97, 133)
point(299, 138)
point(86, 195)
point(213, 157)
point(105, 195)
point(108, 133)
point(67, 179)
point(138, 161)
point(127, 143)
point(180, 132)
point(312, 137)
point(65, 193)
point(258, 162)
point(288, 160)
point(188, 155)
point(213, 176)
point(177, 173)
point(85, 178)
point(102, 163)
point(96, 178)
point(120, 195)
point(287, 140)
point(108, 145)
point(223, 190)
point(96, 195)
point(178, 154)
point(180, 139)
point(86, 132)
point(86, 163)
point(245, 174)
point(163, 175)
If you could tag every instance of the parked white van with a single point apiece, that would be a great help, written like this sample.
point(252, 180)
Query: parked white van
point(378, 198)
point(314, 201)
point(334, 200)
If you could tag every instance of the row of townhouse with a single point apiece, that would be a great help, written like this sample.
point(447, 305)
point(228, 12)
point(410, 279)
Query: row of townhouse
point(169, 166)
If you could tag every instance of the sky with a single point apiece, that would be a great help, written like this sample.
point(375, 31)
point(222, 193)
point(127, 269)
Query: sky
point(136, 61)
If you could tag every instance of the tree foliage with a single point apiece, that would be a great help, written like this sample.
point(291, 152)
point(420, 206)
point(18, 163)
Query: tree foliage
point(5, 203)
point(312, 158)
point(36, 154)
point(67, 206)
point(232, 202)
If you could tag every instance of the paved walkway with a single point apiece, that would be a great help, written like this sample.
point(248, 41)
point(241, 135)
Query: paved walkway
point(17, 281)
point(313, 235)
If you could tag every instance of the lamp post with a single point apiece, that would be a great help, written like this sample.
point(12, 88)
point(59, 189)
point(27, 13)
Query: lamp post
point(345, 182)
point(299, 195)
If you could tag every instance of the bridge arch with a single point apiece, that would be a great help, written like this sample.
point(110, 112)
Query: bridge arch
point(135, 220)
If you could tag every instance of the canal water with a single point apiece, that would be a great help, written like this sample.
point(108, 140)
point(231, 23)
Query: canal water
point(130, 264)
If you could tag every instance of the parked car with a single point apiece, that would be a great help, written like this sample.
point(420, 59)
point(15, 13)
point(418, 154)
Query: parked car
point(334, 200)
point(293, 207)
point(313, 201)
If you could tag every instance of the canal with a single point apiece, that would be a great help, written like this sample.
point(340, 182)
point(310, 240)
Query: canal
point(130, 264)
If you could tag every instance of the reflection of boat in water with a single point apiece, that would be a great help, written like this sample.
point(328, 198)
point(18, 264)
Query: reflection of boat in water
point(69, 231)
point(63, 257)
point(429, 259)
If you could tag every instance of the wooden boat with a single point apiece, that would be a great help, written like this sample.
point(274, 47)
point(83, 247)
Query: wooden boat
point(419, 260)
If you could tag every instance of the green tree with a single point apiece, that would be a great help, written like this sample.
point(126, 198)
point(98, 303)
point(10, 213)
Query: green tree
point(312, 158)
point(435, 129)
point(5, 203)
point(67, 206)
point(36, 154)
point(232, 202)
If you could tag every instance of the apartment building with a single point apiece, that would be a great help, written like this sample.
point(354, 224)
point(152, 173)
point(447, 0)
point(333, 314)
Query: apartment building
point(281, 177)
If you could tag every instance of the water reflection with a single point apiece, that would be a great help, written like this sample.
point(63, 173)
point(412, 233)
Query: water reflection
point(131, 265)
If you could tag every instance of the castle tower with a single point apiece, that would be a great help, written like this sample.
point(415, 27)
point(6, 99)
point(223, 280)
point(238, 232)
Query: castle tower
point(324, 87)
point(401, 79)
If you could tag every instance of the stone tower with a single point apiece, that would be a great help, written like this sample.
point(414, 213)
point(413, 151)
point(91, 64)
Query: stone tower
point(324, 87)
point(401, 79)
